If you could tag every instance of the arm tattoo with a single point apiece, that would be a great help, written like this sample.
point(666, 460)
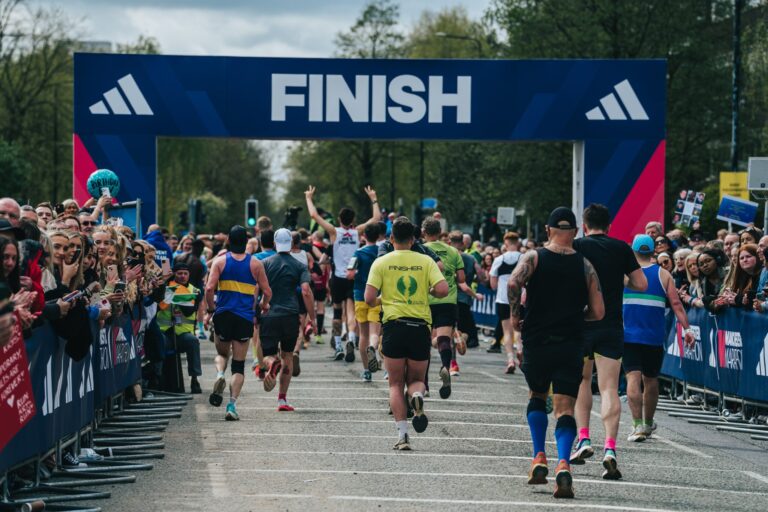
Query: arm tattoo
point(518, 280)
point(590, 274)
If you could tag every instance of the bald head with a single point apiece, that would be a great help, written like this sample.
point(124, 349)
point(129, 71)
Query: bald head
point(10, 209)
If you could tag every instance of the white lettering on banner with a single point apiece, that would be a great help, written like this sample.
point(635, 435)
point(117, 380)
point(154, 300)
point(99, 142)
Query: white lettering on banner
point(114, 348)
point(729, 345)
point(64, 383)
point(367, 102)
point(762, 360)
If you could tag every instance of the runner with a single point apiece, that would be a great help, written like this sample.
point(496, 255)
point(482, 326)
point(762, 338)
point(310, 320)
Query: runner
point(465, 324)
point(604, 339)
point(367, 318)
point(562, 290)
point(644, 334)
point(236, 279)
point(405, 280)
point(267, 242)
point(444, 310)
point(320, 277)
point(305, 327)
point(501, 269)
point(280, 323)
point(345, 241)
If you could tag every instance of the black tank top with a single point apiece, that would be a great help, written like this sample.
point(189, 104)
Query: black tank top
point(556, 297)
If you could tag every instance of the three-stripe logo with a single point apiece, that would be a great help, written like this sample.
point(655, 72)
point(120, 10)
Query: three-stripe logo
point(611, 106)
point(117, 104)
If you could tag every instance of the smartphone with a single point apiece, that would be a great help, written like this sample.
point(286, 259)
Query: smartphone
point(71, 297)
point(134, 262)
point(112, 271)
point(119, 286)
point(105, 192)
point(76, 254)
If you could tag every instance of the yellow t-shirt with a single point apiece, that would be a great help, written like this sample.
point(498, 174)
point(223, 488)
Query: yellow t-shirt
point(404, 278)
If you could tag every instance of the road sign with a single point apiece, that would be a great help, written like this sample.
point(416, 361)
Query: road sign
point(506, 216)
point(733, 184)
point(429, 203)
point(736, 210)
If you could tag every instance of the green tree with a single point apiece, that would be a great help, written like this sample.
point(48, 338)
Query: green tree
point(15, 170)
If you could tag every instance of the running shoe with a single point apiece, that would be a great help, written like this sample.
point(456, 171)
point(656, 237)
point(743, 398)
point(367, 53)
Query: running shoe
point(254, 364)
point(386, 375)
point(611, 467)
point(494, 349)
point(319, 339)
point(260, 372)
point(537, 475)
point(194, 386)
point(563, 481)
point(510, 367)
point(426, 393)
point(296, 365)
point(650, 429)
point(366, 375)
point(461, 343)
point(283, 406)
point(350, 349)
point(455, 369)
point(339, 355)
point(307, 332)
point(419, 420)
point(373, 362)
point(583, 451)
point(231, 414)
point(445, 389)
point(638, 434)
point(402, 444)
point(218, 388)
point(271, 377)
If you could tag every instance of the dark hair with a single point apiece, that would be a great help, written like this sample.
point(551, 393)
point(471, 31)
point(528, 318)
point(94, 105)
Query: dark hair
point(197, 247)
point(268, 239)
point(402, 230)
point(721, 260)
point(431, 226)
point(295, 239)
point(382, 227)
point(597, 216)
point(303, 233)
point(372, 231)
point(13, 278)
point(30, 229)
point(346, 216)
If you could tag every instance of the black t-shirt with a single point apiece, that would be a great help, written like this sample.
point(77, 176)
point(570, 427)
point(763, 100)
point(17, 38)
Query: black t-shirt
point(612, 259)
point(285, 274)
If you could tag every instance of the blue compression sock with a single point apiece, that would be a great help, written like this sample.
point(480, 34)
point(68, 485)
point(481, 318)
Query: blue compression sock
point(565, 433)
point(537, 422)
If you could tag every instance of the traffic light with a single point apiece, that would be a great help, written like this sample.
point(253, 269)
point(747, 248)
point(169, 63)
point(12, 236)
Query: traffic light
point(200, 216)
point(251, 212)
point(183, 218)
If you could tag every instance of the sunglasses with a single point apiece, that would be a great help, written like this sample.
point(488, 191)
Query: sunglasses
point(88, 223)
point(661, 242)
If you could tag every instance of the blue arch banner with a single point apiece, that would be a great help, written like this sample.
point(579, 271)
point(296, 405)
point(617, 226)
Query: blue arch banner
point(617, 107)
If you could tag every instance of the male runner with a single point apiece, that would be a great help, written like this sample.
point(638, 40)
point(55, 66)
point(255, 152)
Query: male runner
point(306, 260)
point(368, 318)
point(501, 268)
point(267, 242)
point(562, 290)
point(345, 241)
point(444, 310)
point(280, 324)
point(604, 339)
point(237, 279)
point(465, 324)
point(405, 280)
point(644, 335)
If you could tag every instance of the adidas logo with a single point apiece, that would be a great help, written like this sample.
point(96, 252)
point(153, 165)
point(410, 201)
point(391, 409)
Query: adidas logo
point(117, 104)
point(762, 361)
point(611, 106)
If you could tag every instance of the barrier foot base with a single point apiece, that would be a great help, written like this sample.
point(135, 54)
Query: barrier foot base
point(77, 478)
point(55, 494)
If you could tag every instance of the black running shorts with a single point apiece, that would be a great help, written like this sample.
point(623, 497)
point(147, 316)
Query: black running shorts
point(302, 306)
point(604, 342)
point(465, 321)
point(319, 293)
point(403, 339)
point(647, 359)
point(231, 327)
point(444, 315)
point(341, 289)
point(557, 364)
point(278, 332)
point(503, 310)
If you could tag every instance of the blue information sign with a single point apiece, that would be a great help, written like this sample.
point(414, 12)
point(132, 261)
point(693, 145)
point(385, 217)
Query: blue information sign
point(736, 210)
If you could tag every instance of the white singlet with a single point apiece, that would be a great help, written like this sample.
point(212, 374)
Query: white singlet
point(344, 247)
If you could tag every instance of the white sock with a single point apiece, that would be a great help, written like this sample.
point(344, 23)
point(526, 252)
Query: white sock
point(511, 356)
point(219, 375)
point(337, 342)
point(352, 337)
point(402, 428)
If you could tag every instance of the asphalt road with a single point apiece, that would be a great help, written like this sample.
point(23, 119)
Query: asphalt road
point(335, 453)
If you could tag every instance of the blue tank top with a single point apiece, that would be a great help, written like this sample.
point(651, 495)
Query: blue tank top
point(236, 287)
point(644, 311)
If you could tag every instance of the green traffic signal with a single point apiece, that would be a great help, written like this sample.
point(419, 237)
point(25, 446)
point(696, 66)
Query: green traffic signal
point(251, 222)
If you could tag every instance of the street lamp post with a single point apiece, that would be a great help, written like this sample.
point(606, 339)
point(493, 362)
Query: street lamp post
point(476, 41)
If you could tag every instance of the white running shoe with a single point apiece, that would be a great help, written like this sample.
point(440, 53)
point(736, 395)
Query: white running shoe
point(638, 434)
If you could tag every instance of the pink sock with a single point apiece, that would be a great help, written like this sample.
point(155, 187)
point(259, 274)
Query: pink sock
point(281, 396)
point(583, 433)
point(610, 443)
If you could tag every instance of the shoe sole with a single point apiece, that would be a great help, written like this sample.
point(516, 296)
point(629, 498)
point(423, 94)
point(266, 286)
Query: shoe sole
point(350, 352)
point(636, 439)
point(339, 356)
point(296, 366)
point(445, 389)
point(563, 485)
point(230, 417)
point(510, 370)
point(270, 379)
point(611, 470)
point(461, 347)
point(580, 456)
point(373, 362)
point(538, 475)
point(420, 420)
point(402, 447)
point(218, 388)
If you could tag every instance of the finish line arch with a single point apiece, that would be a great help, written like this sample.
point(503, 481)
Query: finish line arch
point(612, 110)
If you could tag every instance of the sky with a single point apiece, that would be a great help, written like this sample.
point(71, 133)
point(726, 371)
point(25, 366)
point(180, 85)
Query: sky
point(264, 28)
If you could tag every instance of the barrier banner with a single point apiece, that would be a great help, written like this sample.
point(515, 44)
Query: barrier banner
point(119, 344)
point(63, 396)
point(17, 403)
point(484, 310)
point(730, 353)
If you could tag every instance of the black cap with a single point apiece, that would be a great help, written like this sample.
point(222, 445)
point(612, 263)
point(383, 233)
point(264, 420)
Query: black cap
point(180, 265)
point(697, 235)
point(238, 239)
point(7, 227)
point(562, 218)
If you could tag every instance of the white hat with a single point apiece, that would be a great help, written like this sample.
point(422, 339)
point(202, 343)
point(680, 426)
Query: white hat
point(283, 240)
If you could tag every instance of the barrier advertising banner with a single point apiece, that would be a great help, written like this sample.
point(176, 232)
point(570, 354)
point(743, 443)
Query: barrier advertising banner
point(17, 404)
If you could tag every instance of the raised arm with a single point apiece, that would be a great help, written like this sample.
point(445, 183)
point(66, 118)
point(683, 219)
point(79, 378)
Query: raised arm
point(374, 206)
point(595, 305)
point(312, 209)
point(517, 281)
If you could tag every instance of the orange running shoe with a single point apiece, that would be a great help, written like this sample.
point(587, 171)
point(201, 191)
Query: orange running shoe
point(563, 481)
point(539, 470)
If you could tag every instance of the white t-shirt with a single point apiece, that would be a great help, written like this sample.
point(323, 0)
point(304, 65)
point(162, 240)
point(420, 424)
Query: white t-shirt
point(502, 268)
point(344, 247)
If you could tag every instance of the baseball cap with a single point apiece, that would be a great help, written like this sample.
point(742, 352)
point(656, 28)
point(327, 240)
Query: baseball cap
point(283, 240)
point(7, 227)
point(562, 218)
point(643, 244)
point(238, 238)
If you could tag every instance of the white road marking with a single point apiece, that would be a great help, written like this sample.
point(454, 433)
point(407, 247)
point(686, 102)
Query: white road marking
point(381, 410)
point(382, 399)
point(358, 436)
point(681, 447)
point(756, 476)
point(278, 496)
point(537, 504)
point(218, 479)
point(505, 425)
point(492, 376)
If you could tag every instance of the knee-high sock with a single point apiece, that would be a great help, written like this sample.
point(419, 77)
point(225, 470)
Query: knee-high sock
point(565, 433)
point(444, 347)
point(537, 423)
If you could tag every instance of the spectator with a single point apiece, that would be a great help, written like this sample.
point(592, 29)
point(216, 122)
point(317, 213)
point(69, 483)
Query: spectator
point(711, 263)
point(44, 213)
point(730, 241)
point(654, 229)
point(10, 269)
point(8, 230)
point(741, 283)
point(10, 209)
point(87, 223)
point(721, 234)
point(70, 207)
point(662, 244)
point(693, 289)
point(762, 247)
point(750, 235)
point(28, 212)
point(664, 260)
point(697, 238)
point(679, 272)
